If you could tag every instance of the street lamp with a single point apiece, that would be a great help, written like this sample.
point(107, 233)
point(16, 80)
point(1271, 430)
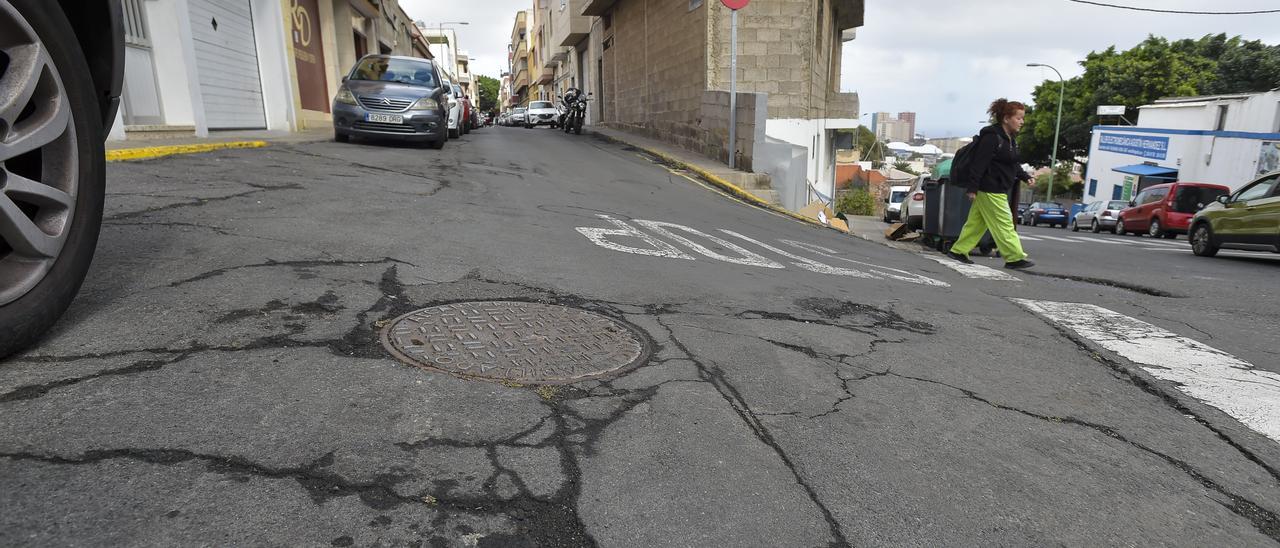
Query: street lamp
point(1053, 158)
point(440, 30)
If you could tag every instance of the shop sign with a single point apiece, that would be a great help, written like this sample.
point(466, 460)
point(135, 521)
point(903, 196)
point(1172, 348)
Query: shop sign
point(1142, 146)
point(1129, 183)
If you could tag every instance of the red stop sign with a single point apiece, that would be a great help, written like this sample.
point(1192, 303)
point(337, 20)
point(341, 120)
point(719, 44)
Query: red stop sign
point(735, 4)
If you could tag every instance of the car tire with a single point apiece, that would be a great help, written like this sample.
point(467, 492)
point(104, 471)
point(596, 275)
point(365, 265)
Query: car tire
point(30, 311)
point(1075, 227)
point(454, 134)
point(1119, 229)
point(340, 137)
point(1094, 227)
point(1155, 230)
point(437, 144)
point(1202, 241)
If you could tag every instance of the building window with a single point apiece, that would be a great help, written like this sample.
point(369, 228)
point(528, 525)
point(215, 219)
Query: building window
point(694, 4)
point(1222, 118)
point(562, 4)
point(1275, 126)
point(1093, 187)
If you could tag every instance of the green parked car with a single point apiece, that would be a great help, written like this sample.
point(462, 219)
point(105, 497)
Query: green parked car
point(1248, 219)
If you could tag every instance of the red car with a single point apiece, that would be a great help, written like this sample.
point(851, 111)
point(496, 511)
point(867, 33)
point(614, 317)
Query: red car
point(1165, 211)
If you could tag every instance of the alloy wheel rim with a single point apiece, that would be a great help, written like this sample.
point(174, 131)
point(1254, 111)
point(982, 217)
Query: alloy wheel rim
point(1198, 239)
point(39, 164)
point(1155, 228)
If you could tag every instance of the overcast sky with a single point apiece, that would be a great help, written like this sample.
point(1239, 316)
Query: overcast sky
point(947, 60)
point(943, 59)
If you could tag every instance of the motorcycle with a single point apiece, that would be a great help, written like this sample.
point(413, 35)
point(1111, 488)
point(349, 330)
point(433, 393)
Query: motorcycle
point(575, 110)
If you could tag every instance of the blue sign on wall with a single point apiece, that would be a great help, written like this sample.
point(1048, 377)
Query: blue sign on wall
point(1142, 146)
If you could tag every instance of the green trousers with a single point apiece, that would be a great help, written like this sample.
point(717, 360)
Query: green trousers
point(990, 211)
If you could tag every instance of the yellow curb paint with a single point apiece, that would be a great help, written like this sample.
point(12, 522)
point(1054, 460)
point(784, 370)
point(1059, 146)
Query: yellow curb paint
point(147, 153)
point(730, 188)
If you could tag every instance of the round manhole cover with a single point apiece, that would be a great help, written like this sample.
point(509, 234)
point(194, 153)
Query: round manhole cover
point(515, 341)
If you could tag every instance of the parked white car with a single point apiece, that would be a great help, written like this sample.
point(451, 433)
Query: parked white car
point(541, 113)
point(912, 209)
point(455, 111)
point(893, 204)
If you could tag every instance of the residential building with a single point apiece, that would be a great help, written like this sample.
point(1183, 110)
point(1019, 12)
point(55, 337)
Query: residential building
point(541, 65)
point(910, 119)
point(195, 66)
point(571, 33)
point(664, 73)
point(518, 53)
point(1223, 139)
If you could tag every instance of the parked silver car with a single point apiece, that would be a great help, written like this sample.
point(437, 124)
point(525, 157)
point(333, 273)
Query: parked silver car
point(392, 98)
point(912, 212)
point(517, 117)
point(1098, 216)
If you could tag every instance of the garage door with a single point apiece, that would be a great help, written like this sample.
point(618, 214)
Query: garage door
point(227, 60)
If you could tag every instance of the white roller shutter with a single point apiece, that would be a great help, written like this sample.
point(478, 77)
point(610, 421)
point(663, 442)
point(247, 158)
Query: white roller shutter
point(227, 60)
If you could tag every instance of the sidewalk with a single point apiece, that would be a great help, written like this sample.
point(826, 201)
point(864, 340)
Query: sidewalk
point(155, 147)
point(752, 188)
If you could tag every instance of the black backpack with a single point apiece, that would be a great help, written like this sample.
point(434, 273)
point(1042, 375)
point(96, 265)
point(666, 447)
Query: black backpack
point(960, 175)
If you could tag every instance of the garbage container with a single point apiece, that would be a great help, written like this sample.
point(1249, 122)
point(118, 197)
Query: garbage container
point(932, 201)
point(952, 213)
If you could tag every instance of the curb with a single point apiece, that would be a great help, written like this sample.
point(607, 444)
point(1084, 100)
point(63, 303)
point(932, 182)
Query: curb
point(147, 153)
point(729, 188)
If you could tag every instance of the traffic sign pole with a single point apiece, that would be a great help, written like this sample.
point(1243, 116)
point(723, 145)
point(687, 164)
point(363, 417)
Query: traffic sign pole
point(733, 90)
point(734, 6)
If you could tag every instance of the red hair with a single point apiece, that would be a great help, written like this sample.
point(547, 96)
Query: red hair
point(1003, 108)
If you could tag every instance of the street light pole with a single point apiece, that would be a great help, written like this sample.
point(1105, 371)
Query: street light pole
point(440, 32)
point(1053, 161)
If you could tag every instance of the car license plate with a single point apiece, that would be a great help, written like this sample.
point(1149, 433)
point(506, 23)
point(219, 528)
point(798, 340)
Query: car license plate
point(384, 118)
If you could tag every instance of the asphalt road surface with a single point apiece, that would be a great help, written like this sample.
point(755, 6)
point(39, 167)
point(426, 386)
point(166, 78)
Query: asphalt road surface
point(220, 380)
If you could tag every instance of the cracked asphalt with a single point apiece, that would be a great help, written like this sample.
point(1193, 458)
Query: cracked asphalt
point(219, 380)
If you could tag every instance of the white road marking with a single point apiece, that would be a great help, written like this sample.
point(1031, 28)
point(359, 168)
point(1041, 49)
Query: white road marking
point(807, 264)
point(1171, 243)
point(1028, 238)
point(974, 271)
point(885, 271)
point(1098, 240)
point(1210, 375)
point(1056, 239)
point(745, 257)
point(658, 248)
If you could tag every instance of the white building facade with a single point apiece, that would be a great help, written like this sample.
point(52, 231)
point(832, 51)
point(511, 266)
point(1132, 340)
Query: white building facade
point(1223, 139)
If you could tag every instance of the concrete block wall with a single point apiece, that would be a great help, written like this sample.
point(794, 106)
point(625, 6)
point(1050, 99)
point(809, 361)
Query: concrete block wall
point(654, 77)
point(789, 49)
point(713, 125)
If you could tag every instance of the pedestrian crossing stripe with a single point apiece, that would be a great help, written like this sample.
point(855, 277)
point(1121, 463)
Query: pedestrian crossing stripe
point(1028, 238)
point(1056, 239)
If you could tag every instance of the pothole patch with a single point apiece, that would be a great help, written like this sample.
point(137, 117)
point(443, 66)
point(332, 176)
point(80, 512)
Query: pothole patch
point(508, 341)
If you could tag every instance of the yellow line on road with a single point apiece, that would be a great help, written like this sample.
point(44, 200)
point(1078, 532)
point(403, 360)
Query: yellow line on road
point(147, 153)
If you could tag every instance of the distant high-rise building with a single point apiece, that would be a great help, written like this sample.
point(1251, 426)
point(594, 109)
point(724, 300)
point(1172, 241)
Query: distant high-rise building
point(894, 128)
point(910, 119)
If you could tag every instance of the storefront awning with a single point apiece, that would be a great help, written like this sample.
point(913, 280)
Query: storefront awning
point(1144, 170)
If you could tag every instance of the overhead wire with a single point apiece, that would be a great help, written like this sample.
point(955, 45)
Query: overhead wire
point(1176, 12)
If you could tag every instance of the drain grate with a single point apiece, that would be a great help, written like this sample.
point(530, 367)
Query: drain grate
point(528, 343)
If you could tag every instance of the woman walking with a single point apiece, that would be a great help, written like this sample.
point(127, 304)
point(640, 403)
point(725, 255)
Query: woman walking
point(995, 172)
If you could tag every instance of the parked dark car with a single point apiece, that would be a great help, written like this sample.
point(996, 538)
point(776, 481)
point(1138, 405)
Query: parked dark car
point(1098, 216)
point(1050, 213)
point(392, 97)
point(60, 105)
point(1164, 211)
point(1249, 219)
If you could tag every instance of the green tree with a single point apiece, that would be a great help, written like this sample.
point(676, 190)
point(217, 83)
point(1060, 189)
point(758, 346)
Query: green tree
point(488, 93)
point(1151, 70)
point(904, 167)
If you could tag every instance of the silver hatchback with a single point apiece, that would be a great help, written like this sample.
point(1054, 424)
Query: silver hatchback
point(391, 97)
point(1098, 216)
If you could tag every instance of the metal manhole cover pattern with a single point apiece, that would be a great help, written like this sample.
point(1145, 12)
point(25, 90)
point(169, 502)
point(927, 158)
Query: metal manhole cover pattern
point(515, 341)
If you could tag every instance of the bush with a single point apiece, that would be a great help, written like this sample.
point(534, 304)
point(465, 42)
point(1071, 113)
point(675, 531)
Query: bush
point(856, 202)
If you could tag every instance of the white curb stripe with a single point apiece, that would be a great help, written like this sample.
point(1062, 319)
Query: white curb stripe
point(1205, 373)
point(975, 271)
